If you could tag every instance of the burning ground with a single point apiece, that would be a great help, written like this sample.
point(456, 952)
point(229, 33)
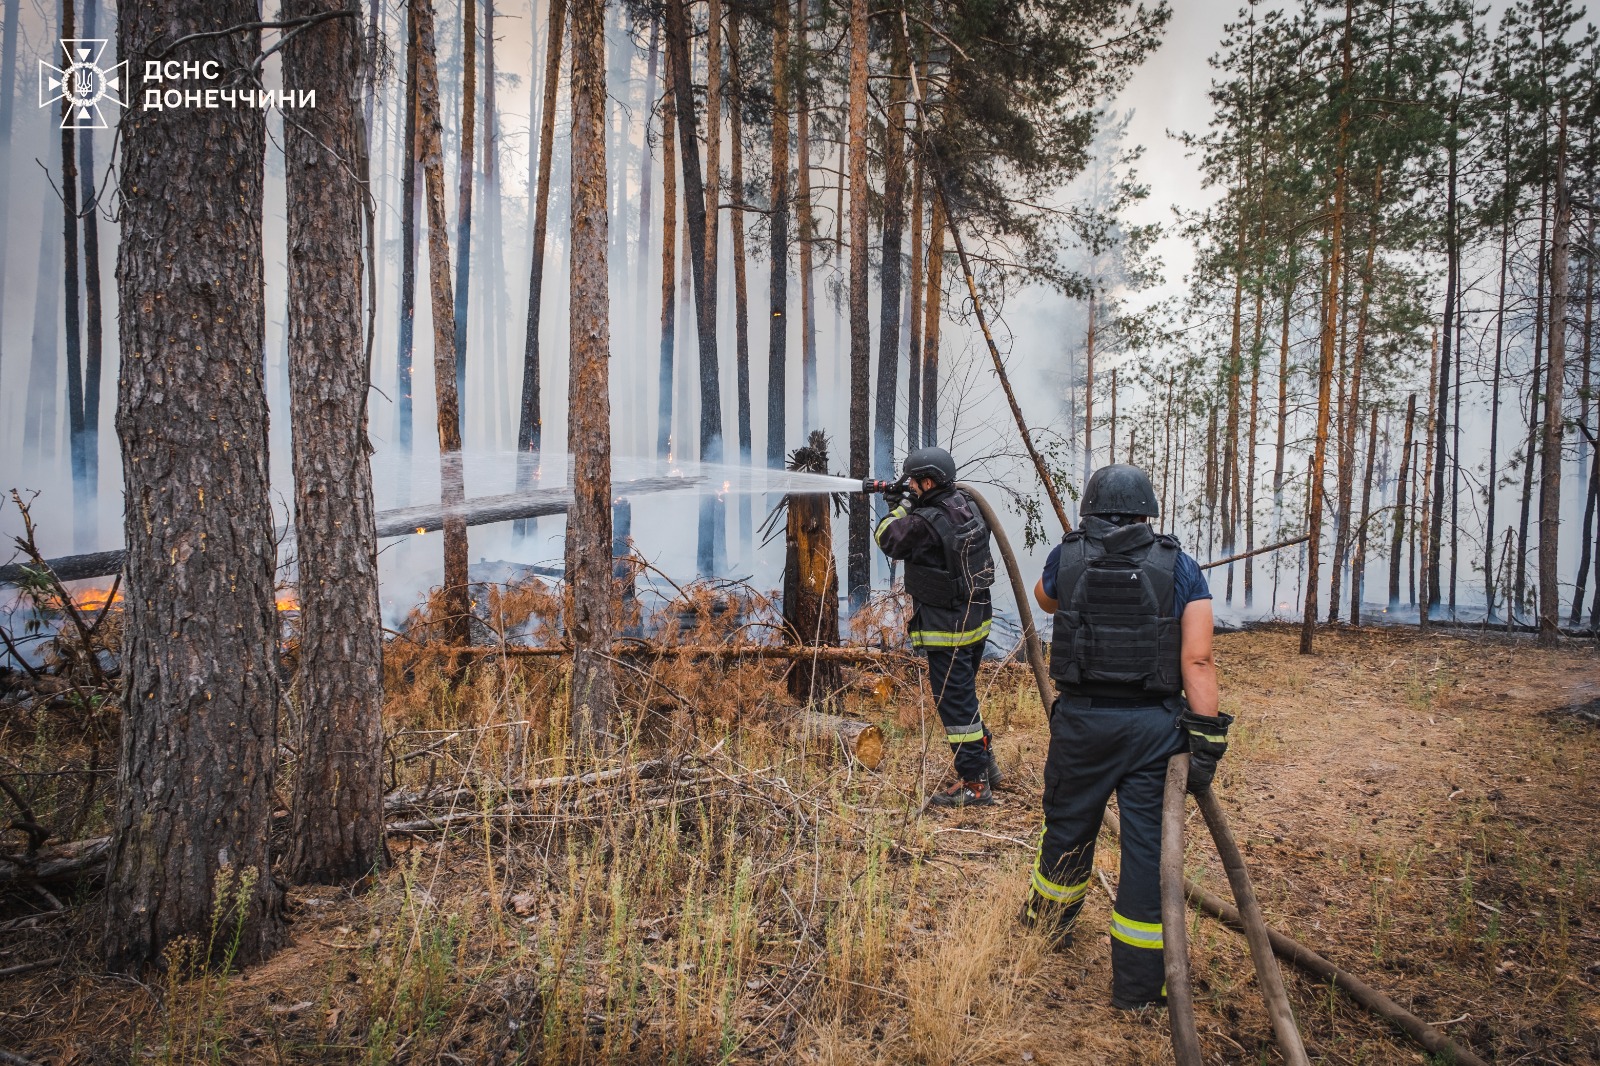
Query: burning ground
point(1419, 811)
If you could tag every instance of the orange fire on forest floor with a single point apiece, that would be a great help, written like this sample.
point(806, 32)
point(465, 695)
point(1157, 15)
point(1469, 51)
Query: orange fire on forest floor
point(96, 599)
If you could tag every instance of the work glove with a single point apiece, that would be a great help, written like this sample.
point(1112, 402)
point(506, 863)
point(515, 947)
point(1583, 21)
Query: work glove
point(1208, 742)
point(896, 494)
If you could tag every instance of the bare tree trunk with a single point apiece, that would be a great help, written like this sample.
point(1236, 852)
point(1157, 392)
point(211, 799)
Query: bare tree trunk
point(1585, 395)
point(931, 303)
point(1358, 572)
point(469, 112)
point(1492, 475)
point(806, 236)
point(858, 565)
point(1419, 525)
point(69, 213)
point(1283, 388)
point(1319, 460)
point(741, 292)
point(712, 507)
point(778, 283)
point(338, 789)
point(456, 601)
point(192, 828)
point(408, 246)
point(914, 349)
point(1555, 381)
point(1111, 440)
point(1250, 474)
point(94, 311)
point(8, 94)
point(1088, 393)
point(652, 71)
point(713, 139)
point(1441, 420)
point(530, 419)
point(1519, 580)
point(894, 195)
point(669, 266)
point(591, 613)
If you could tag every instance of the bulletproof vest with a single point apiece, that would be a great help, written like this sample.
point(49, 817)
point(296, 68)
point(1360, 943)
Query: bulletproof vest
point(1115, 634)
point(967, 565)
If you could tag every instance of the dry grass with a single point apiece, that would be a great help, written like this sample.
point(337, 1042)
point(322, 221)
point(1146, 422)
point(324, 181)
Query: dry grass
point(1406, 807)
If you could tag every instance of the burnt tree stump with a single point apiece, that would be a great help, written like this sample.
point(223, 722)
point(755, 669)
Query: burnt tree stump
point(811, 580)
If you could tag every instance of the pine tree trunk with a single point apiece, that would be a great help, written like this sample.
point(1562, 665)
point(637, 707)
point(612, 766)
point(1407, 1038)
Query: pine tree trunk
point(712, 507)
point(646, 185)
point(1419, 524)
point(455, 602)
point(1358, 572)
point(591, 612)
point(1350, 424)
point(932, 315)
point(1283, 388)
point(469, 112)
point(530, 417)
point(1441, 420)
point(69, 212)
point(94, 310)
point(1088, 393)
point(1519, 580)
point(1230, 434)
point(713, 139)
point(39, 410)
point(1555, 381)
point(806, 236)
point(669, 267)
point(778, 283)
point(858, 568)
point(1319, 459)
point(1585, 395)
point(338, 689)
point(8, 95)
point(741, 291)
point(1250, 474)
point(914, 348)
point(408, 247)
point(894, 194)
point(192, 825)
point(1492, 477)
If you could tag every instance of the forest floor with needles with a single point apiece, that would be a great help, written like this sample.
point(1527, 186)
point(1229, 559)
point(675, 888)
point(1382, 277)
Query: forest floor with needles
point(1416, 809)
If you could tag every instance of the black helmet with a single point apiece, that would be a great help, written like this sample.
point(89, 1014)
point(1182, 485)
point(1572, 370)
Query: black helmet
point(935, 463)
point(1120, 488)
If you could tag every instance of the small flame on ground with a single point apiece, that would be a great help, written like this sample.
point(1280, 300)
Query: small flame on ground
point(287, 601)
point(96, 599)
point(421, 530)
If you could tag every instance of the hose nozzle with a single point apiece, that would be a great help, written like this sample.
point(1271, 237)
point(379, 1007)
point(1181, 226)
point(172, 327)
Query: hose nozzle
point(873, 486)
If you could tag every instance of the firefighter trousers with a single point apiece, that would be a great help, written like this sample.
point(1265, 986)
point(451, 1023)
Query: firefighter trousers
point(953, 678)
point(1096, 750)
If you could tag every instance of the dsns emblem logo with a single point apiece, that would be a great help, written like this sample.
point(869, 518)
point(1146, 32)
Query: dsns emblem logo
point(83, 83)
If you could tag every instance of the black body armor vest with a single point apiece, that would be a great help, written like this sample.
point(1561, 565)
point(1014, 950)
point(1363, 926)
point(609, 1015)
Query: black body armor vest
point(1115, 634)
point(968, 564)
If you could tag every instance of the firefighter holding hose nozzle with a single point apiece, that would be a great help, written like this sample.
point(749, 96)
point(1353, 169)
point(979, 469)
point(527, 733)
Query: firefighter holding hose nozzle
point(936, 529)
point(1136, 684)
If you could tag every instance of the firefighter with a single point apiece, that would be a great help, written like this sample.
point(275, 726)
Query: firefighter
point(1131, 658)
point(937, 530)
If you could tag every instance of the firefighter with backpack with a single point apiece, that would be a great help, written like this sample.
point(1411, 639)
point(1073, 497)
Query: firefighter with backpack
point(1131, 658)
point(936, 529)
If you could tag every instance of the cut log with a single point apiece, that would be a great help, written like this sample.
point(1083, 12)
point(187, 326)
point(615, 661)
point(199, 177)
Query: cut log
point(863, 741)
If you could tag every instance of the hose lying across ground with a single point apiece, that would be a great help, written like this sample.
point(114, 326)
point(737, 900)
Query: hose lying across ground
point(1284, 947)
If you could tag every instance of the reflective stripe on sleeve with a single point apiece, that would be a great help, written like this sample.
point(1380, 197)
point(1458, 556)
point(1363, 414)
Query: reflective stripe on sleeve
point(898, 512)
point(1136, 934)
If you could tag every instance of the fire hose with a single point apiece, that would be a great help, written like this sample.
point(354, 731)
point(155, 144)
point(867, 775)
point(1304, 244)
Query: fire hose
point(1265, 942)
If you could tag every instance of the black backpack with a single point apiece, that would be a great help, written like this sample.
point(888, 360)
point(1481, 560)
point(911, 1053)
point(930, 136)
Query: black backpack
point(968, 563)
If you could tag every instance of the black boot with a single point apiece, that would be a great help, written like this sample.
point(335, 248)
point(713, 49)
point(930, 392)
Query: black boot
point(964, 794)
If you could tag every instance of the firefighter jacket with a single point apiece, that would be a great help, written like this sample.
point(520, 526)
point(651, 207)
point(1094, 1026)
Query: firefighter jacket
point(944, 543)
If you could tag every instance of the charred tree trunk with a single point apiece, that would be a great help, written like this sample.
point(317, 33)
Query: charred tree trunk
point(1555, 380)
point(669, 267)
point(192, 826)
point(74, 323)
point(94, 311)
point(894, 208)
point(914, 347)
point(1419, 524)
point(1492, 476)
point(858, 566)
point(713, 139)
point(530, 419)
point(408, 246)
point(1519, 580)
point(1088, 394)
point(338, 789)
point(712, 507)
point(811, 581)
point(778, 283)
point(652, 71)
point(1586, 395)
point(591, 614)
point(1441, 420)
point(469, 112)
point(807, 237)
point(456, 602)
point(8, 93)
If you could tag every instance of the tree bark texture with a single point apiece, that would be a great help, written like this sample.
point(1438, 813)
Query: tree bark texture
point(811, 580)
point(591, 616)
point(192, 823)
point(469, 112)
point(1555, 381)
point(712, 507)
point(408, 247)
point(933, 315)
point(778, 283)
point(530, 423)
point(338, 689)
point(669, 265)
point(456, 602)
point(72, 319)
point(894, 213)
point(858, 565)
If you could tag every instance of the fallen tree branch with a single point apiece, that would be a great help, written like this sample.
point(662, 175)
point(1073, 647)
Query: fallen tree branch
point(1291, 542)
point(29, 967)
point(707, 651)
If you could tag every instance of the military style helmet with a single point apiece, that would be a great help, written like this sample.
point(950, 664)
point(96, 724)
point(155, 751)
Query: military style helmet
point(1120, 488)
point(935, 463)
